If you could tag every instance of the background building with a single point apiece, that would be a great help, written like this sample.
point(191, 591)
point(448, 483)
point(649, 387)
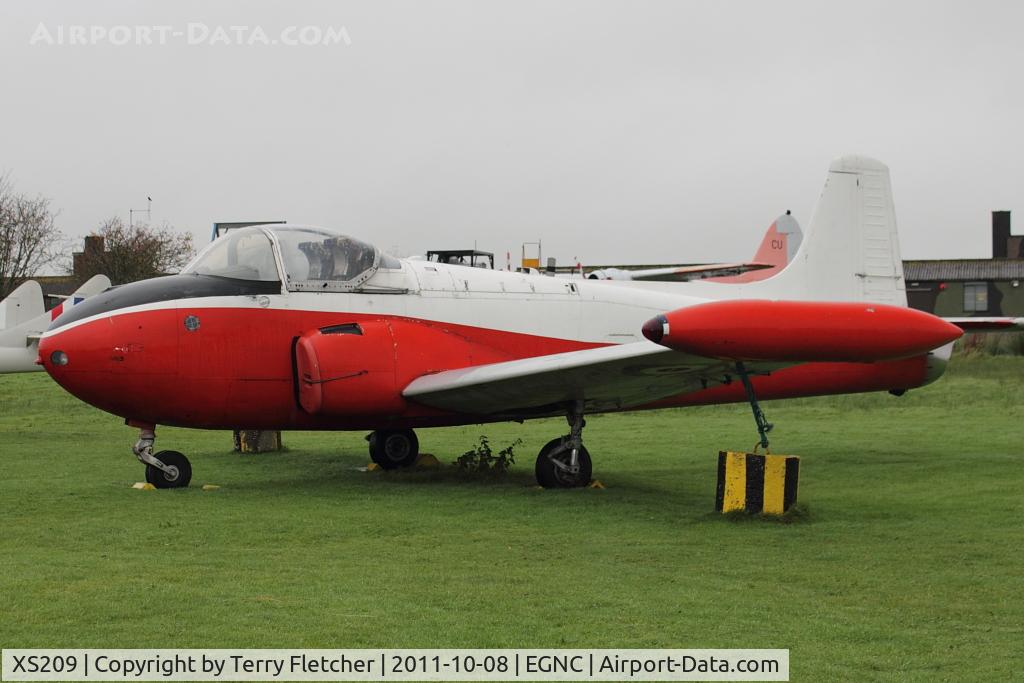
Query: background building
point(972, 287)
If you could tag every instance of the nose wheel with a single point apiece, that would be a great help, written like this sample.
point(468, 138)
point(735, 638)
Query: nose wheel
point(176, 472)
point(165, 469)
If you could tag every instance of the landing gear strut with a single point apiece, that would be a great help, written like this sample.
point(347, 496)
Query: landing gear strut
point(165, 469)
point(763, 425)
point(565, 462)
point(393, 448)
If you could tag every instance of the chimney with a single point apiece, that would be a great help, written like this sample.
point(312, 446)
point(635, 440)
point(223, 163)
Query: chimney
point(1000, 233)
point(93, 248)
point(94, 245)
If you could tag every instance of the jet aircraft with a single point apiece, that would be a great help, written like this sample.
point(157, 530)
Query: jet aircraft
point(290, 327)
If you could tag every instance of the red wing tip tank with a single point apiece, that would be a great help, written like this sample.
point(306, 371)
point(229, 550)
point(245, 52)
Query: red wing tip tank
point(800, 331)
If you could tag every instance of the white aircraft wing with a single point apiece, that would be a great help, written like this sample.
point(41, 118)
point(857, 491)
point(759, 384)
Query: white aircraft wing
point(684, 273)
point(605, 378)
point(677, 273)
point(985, 324)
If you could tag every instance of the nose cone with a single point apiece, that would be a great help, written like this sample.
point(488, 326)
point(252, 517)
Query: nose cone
point(113, 361)
point(79, 358)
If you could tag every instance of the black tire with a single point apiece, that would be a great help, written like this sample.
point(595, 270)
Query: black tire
point(161, 479)
point(394, 448)
point(551, 477)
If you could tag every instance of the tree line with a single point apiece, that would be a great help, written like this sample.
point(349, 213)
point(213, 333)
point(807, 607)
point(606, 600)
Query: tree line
point(31, 242)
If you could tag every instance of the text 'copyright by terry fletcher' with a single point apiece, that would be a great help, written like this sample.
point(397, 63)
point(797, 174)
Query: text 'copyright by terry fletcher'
point(394, 665)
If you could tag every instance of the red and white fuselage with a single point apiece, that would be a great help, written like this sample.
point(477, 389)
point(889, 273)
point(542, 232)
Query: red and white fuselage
point(299, 328)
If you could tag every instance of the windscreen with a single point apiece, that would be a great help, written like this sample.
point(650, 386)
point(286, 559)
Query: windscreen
point(245, 254)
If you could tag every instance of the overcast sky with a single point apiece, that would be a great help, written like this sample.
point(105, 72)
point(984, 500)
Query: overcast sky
point(616, 132)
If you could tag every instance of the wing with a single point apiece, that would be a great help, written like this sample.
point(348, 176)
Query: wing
point(688, 349)
point(685, 273)
point(605, 378)
point(980, 324)
point(677, 273)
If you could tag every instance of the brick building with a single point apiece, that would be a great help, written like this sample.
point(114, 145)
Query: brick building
point(972, 287)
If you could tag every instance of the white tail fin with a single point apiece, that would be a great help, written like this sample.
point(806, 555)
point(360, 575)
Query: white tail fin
point(94, 285)
point(21, 305)
point(851, 250)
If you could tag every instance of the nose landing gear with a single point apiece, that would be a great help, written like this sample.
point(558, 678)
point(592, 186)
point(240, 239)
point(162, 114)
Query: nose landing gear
point(565, 462)
point(165, 469)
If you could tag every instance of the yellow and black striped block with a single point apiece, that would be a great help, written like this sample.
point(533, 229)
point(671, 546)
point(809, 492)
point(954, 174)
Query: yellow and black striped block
point(756, 483)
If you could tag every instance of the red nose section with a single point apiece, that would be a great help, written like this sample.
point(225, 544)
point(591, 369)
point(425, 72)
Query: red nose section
point(800, 331)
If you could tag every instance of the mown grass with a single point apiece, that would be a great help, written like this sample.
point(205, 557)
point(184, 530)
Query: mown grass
point(905, 562)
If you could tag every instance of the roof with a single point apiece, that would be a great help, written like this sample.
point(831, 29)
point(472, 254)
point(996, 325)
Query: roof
point(964, 269)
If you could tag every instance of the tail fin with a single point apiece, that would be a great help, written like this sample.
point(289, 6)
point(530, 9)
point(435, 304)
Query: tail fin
point(94, 285)
point(851, 251)
point(781, 242)
point(21, 305)
point(778, 247)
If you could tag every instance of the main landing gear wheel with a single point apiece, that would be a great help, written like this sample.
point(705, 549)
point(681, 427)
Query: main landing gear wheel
point(564, 463)
point(554, 468)
point(177, 472)
point(393, 448)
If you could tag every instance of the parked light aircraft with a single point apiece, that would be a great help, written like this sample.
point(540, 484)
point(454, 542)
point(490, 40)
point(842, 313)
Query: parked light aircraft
point(24, 318)
point(780, 243)
point(293, 327)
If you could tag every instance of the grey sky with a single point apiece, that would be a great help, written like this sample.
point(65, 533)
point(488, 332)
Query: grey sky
point(615, 132)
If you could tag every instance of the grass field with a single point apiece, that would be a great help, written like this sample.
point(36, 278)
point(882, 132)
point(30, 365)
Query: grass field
point(908, 565)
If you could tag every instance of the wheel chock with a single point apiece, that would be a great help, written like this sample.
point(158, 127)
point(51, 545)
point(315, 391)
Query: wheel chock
point(427, 460)
point(210, 487)
point(595, 484)
point(143, 486)
point(755, 483)
point(372, 467)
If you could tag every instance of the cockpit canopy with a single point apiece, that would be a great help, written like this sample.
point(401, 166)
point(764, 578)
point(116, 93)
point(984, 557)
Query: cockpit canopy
point(311, 259)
